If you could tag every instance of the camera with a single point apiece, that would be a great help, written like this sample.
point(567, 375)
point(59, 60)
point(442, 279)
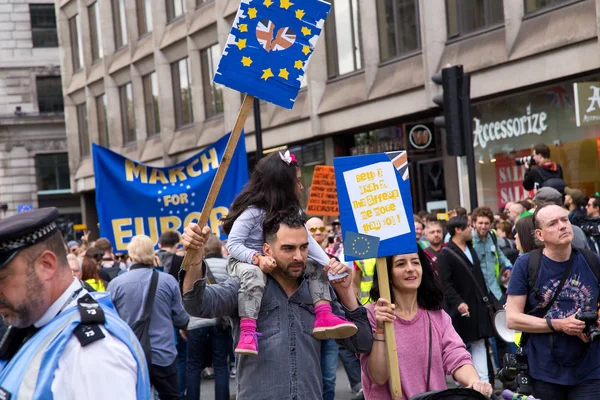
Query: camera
point(591, 227)
point(514, 373)
point(590, 318)
point(524, 160)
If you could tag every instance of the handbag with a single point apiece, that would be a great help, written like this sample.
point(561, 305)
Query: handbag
point(141, 327)
point(492, 304)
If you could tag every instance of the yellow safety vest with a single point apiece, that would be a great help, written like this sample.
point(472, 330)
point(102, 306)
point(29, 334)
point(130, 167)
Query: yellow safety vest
point(367, 267)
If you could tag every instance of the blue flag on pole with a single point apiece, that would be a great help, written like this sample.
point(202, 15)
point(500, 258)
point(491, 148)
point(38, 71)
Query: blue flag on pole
point(269, 46)
point(134, 199)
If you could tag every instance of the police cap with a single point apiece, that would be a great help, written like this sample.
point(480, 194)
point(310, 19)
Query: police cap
point(23, 230)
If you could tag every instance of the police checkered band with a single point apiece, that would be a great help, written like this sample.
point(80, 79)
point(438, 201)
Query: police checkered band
point(28, 240)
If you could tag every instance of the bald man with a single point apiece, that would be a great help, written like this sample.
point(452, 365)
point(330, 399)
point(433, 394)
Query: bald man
point(514, 211)
point(317, 230)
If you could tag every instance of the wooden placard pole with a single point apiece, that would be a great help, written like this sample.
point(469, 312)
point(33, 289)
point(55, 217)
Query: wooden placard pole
point(390, 339)
point(221, 171)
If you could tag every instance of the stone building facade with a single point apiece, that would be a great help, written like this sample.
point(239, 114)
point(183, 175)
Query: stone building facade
point(142, 83)
point(33, 144)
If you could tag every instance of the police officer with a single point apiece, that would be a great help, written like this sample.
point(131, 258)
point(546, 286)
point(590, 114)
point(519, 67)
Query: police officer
point(62, 342)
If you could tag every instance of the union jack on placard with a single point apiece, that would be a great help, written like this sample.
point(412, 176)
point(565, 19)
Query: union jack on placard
point(284, 38)
point(400, 161)
point(560, 97)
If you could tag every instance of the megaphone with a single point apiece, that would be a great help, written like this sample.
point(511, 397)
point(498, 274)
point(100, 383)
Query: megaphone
point(508, 335)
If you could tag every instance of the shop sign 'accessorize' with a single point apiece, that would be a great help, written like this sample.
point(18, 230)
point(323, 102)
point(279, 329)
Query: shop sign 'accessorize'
point(587, 103)
point(498, 130)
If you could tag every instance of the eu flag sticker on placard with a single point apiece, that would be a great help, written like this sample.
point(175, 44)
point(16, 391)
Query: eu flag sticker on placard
point(269, 46)
point(360, 246)
point(375, 201)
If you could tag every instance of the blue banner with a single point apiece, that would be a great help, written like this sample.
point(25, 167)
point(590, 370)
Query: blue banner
point(375, 205)
point(134, 199)
point(269, 47)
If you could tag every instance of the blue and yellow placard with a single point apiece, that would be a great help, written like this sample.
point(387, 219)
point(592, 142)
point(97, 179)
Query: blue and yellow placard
point(137, 199)
point(375, 205)
point(269, 46)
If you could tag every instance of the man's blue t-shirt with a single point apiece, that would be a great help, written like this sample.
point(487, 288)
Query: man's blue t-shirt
point(571, 361)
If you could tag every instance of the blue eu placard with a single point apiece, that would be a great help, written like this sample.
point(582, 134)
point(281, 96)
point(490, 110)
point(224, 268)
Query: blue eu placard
point(375, 202)
point(137, 199)
point(269, 46)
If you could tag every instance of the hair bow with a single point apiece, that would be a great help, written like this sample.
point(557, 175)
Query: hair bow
point(288, 157)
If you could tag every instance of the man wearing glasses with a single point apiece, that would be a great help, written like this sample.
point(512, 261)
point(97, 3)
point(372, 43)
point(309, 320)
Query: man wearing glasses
point(591, 224)
point(317, 230)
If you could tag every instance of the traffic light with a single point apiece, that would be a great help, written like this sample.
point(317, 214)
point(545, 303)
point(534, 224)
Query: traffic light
point(456, 103)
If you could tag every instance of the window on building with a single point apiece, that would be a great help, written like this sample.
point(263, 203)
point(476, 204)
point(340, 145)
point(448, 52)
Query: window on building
point(76, 51)
point(119, 23)
point(49, 93)
point(52, 172)
point(144, 16)
point(127, 114)
point(200, 2)
point(84, 135)
point(175, 8)
point(398, 22)
point(43, 25)
point(534, 5)
point(182, 93)
point(342, 36)
point(213, 92)
point(96, 37)
point(103, 137)
point(466, 16)
point(151, 103)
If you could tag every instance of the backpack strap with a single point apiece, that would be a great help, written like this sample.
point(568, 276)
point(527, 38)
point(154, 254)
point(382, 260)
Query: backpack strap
point(533, 270)
point(592, 261)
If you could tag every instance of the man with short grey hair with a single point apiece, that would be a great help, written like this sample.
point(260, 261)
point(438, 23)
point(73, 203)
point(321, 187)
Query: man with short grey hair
point(548, 195)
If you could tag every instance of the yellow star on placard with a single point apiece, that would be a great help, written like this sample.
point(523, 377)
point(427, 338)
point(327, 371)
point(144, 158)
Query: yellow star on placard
point(299, 14)
point(268, 3)
point(246, 61)
point(305, 31)
point(267, 73)
point(305, 49)
point(298, 64)
point(252, 13)
point(285, 4)
point(243, 28)
point(283, 73)
point(241, 44)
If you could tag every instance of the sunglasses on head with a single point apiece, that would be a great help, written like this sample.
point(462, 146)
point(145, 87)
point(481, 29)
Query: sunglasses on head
point(320, 229)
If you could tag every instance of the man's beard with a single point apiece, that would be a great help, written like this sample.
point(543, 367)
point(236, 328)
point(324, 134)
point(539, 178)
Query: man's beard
point(288, 272)
point(22, 316)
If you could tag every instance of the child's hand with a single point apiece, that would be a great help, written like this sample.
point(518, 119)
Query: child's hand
point(266, 264)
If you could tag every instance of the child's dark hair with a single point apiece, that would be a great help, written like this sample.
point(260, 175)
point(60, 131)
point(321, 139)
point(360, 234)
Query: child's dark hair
point(429, 293)
point(272, 187)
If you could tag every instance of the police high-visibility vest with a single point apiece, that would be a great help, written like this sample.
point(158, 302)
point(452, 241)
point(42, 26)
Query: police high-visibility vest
point(367, 268)
point(30, 373)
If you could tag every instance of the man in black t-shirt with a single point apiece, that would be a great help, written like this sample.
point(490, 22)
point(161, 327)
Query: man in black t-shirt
point(110, 268)
point(167, 254)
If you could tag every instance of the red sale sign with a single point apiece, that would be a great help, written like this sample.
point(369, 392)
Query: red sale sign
point(509, 178)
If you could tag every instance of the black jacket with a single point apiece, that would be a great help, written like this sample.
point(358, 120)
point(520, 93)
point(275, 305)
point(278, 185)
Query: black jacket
point(459, 288)
point(542, 173)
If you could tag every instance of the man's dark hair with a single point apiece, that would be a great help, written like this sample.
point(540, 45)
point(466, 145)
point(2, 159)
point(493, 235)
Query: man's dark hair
point(482, 212)
point(292, 219)
point(431, 217)
point(461, 211)
point(213, 247)
point(436, 222)
point(542, 150)
point(595, 202)
point(169, 239)
point(455, 223)
point(103, 244)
